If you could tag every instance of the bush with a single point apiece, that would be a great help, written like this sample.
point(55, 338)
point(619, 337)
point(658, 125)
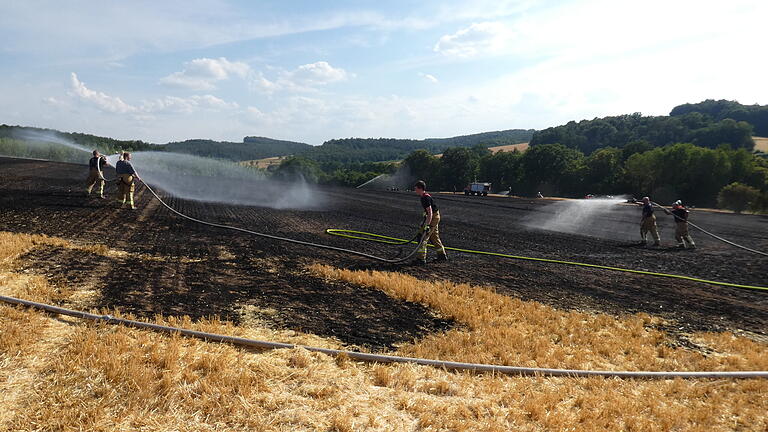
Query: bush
point(737, 197)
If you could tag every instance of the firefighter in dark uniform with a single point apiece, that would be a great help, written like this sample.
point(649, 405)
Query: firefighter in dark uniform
point(648, 223)
point(431, 224)
point(95, 166)
point(681, 226)
point(126, 177)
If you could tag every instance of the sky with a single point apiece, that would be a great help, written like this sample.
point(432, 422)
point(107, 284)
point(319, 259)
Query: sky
point(311, 70)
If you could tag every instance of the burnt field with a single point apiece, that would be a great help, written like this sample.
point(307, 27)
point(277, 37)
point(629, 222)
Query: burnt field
point(174, 267)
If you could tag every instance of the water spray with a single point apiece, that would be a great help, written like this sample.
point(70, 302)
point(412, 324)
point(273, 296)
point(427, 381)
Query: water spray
point(193, 177)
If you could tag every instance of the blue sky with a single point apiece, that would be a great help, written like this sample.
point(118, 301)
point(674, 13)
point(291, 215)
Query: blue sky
point(312, 71)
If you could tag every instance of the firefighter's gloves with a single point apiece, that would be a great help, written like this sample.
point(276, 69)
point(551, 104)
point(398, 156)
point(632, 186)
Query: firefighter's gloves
point(426, 228)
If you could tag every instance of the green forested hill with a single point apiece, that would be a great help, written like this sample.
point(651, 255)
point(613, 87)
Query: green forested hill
point(655, 131)
point(350, 150)
point(755, 115)
point(251, 148)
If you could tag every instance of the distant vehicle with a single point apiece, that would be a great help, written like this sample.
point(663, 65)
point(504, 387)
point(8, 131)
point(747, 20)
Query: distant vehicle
point(588, 196)
point(477, 188)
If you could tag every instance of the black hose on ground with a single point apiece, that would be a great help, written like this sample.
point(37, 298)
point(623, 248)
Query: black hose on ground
point(396, 260)
point(709, 233)
point(424, 236)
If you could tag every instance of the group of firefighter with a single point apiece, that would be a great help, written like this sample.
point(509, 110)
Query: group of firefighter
point(647, 225)
point(127, 176)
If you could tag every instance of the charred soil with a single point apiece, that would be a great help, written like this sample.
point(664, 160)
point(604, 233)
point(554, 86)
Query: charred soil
point(174, 267)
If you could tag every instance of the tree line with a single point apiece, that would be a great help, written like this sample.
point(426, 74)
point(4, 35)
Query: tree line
point(342, 152)
point(658, 131)
point(697, 175)
point(755, 115)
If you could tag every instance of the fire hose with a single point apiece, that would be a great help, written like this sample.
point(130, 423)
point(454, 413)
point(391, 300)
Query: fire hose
point(361, 235)
point(382, 358)
point(709, 233)
point(422, 235)
point(379, 358)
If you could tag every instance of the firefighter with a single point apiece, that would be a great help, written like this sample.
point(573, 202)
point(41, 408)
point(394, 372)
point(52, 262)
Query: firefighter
point(126, 176)
point(95, 166)
point(430, 225)
point(681, 225)
point(648, 223)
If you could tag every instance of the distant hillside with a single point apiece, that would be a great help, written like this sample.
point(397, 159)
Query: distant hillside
point(251, 148)
point(652, 131)
point(349, 150)
point(755, 115)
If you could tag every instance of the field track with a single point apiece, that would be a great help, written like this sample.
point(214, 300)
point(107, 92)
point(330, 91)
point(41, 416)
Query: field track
point(761, 143)
point(174, 267)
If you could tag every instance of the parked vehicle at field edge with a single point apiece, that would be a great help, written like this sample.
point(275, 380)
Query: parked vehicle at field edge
point(477, 188)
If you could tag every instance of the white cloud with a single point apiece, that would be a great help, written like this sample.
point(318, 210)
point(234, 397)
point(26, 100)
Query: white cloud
point(428, 77)
point(172, 104)
point(203, 73)
point(305, 78)
point(167, 104)
point(478, 38)
point(259, 83)
point(54, 102)
point(318, 73)
point(99, 99)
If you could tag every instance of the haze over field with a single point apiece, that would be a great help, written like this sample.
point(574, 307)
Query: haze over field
point(309, 71)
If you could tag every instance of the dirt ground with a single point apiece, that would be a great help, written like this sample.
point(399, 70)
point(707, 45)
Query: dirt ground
point(175, 267)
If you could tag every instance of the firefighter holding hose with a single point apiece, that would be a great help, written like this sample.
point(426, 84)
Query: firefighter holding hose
point(95, 166)
point(126, 176)
point(648, 223)
point(431, 225)
point(681, 225)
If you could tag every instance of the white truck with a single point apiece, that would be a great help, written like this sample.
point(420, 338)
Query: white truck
point(477, 188)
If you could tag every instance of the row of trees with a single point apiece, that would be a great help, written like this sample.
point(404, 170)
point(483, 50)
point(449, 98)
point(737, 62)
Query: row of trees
point(755, 115)
point(350, 175)
point(41, 136)
point(679, 171)
point(346, 151)
point(658, 131)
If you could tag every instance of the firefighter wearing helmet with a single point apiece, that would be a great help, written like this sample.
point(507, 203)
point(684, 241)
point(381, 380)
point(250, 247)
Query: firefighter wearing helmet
point(126, 178)
point(95, 166)
point(648, 223)
point(682, 236)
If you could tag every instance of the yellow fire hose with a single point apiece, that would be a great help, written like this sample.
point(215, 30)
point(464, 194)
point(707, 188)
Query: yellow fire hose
point(361, 235)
